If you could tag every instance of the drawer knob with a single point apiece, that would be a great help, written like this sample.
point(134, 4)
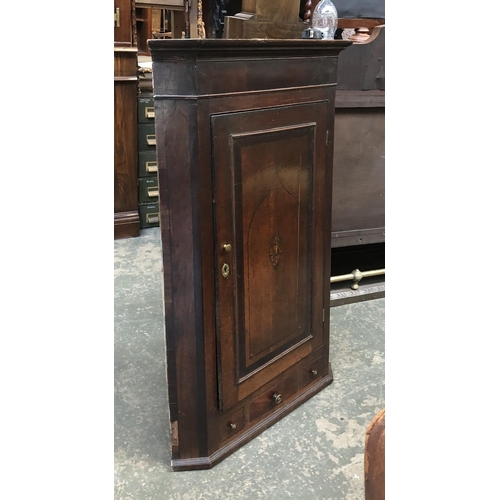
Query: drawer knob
point(278, 398)
point(227, 247)
point(314, 372)
point(232, 425)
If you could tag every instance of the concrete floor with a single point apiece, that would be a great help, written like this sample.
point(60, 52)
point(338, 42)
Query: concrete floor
point(314, 453)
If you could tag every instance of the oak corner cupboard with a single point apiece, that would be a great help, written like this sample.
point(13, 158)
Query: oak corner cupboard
point(244, 138)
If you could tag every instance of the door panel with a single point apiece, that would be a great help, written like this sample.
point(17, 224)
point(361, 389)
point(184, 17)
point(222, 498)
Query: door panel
point(266, 184)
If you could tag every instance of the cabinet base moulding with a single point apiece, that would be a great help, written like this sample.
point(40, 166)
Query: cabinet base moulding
point(199, 463)
point(127, 224)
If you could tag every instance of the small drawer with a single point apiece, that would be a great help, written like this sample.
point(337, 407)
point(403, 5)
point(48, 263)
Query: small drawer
point(145, 110)
point(149, 215)
point(277, 395)
point(146, 138)
point(314, 371)
point(148, 189)
point(231, 424)
point(148, 164)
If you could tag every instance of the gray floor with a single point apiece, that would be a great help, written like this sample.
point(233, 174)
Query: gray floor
point(312, 454)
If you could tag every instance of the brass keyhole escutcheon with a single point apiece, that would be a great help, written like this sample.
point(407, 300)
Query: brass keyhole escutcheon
point(225, 270)
point(278, 398)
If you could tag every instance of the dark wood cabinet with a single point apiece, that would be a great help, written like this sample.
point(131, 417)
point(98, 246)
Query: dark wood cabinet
point(126, 212)
point(358, 211)
point(123, 32)
point(244, 138)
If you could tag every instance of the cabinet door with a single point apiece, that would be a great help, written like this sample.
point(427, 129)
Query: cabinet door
point(123, 22)
point(269, 194)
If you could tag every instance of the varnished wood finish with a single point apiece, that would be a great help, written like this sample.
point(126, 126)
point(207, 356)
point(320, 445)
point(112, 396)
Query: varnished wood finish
point(278, 10)
point(266, 196)
point(123, 34)
point(240, 28)
point(126, 218)
point(144, 27)
point(263, 19)
point(374, 459)
point(244, 134)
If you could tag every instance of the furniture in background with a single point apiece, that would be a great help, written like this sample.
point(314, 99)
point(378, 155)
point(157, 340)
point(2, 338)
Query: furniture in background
point(244, 132)
point(358, 211)
point(136, 21)
point(126, 212)
point(148, 165)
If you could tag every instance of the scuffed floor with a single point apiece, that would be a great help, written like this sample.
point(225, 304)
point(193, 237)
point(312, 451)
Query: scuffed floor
point(314, 453)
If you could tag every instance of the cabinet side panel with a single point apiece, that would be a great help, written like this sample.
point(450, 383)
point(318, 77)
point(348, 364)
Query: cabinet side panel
point(175, 128)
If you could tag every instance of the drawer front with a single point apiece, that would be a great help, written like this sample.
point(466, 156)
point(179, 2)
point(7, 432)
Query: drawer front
point(276, 396)
point(146, 139)
point(145, 110)
point(232, 424)
point(148, 164)
point(313, 371)
point(149, 215)
point(148, 190)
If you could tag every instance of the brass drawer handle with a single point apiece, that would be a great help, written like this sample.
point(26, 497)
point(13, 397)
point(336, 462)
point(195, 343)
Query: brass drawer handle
point(278, 398)
point(152, 218)
point(151, 166)
point(151, 139)
point(149, 112)
point(153, 192)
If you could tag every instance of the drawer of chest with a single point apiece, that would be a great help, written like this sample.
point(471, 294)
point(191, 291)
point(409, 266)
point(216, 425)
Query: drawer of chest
point(146, 139)
point(145, 110)
point(148, 164)
point(232, 424)
point(148, 189)
point(313, 371)
point(149, 215)
point(279, 394)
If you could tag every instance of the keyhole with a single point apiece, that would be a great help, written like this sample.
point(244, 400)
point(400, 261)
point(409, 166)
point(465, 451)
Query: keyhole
point(225, 270)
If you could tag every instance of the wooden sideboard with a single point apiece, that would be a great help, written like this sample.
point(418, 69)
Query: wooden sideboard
point(244, 137)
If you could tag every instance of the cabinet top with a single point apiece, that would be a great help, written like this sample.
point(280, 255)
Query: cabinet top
point(225, 47)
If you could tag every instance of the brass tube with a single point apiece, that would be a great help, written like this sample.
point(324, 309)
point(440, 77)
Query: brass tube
point(356, 276)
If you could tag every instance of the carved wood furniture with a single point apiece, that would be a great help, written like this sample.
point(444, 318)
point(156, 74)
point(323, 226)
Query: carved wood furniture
point(244, 132)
